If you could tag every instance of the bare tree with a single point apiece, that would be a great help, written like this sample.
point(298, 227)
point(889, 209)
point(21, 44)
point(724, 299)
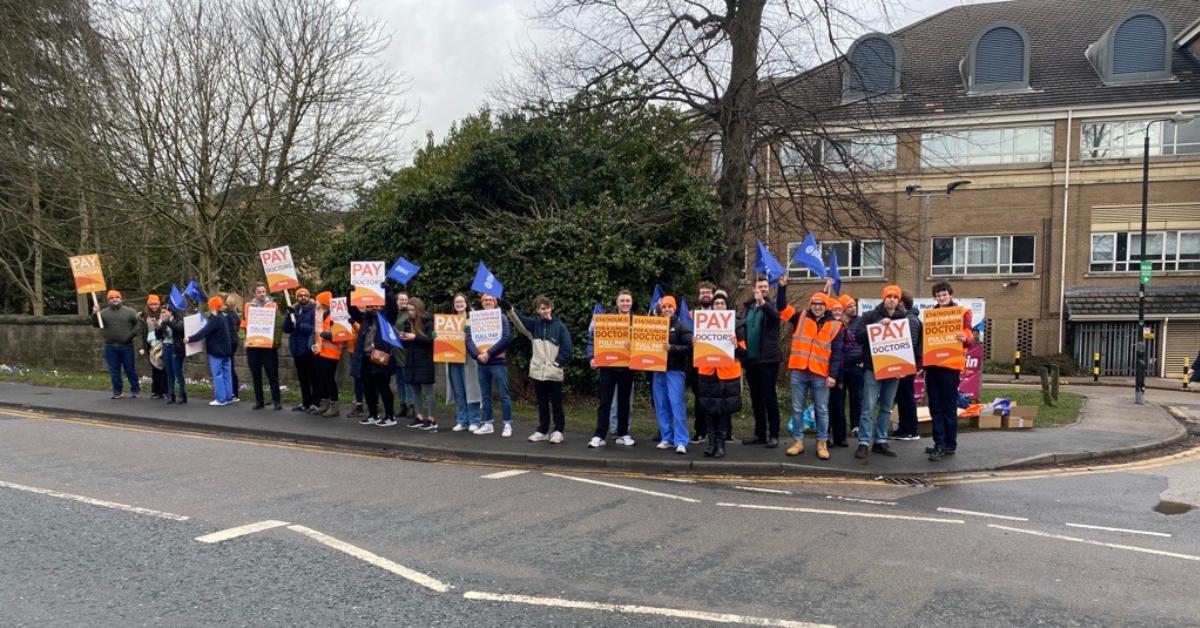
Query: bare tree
point(730, 62)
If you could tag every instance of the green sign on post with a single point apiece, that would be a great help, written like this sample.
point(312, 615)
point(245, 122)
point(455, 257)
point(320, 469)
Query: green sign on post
point(1145, 272)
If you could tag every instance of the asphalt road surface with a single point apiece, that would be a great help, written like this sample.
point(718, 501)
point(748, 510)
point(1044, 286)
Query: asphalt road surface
point(109, 526)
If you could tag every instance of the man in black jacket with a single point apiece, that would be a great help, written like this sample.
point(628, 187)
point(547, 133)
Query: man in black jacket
point(762, 364)
point(874, 423)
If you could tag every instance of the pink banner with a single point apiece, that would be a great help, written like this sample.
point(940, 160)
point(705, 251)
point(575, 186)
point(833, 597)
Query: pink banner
point(970, 383)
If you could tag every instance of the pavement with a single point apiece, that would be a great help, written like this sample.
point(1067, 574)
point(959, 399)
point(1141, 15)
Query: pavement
point(1152, 383)
point(1109, 425)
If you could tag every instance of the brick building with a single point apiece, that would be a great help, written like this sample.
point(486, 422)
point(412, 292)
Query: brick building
point(1042, 105)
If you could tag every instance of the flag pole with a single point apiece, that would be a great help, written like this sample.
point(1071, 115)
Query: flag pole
point(96, 302)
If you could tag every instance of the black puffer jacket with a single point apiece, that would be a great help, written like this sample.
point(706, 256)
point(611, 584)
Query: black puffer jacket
point(679, 355)
point(418, 364)
point(876, 315)
point(717, 397)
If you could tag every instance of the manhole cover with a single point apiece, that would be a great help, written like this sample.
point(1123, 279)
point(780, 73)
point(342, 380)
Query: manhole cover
point(1172, 508)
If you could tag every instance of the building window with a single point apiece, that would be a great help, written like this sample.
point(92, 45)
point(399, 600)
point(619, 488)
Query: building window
point(867, 152)
point(1138, 48)
point(873, 68)
point(976, 147)
point(856, 258)
point(983, 255)
point(1124, 139)
point(1167, 250)
point(999, 60)
point(795, 158)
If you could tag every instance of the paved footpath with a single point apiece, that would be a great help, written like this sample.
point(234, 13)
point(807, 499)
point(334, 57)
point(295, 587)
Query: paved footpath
point(1110, 424)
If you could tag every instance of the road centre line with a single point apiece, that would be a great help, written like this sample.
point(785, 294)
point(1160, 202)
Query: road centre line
point(724, 618)
point(500, 475)
point(624, 488)
point(1073, 539)
point(372, 558)
point(95, 502)
point(843, 513)
point(873, 502)
point(1107, 529)
point(955, 511)
point(233, 533)
point(755, 489)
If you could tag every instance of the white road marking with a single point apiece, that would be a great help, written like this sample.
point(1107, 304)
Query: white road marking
point(374, 559)
point(625, 488)
point(1107, 529)
point(500, 475)
point(1132, 548)
point(95, 502)
point(874, 502)
point(723, 618)
point(955, 511)
point(755, 489)
point(233, 533)
point(680, 480)
point(844, 513)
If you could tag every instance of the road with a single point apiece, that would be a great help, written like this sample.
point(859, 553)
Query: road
point(99, 526)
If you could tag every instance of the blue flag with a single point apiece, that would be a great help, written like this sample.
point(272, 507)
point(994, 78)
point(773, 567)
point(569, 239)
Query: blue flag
point(683, 313)
point(193, 292)
point(486, 283)
point(176, 299)
point(766, 263)
point(403, 271)
point(656, 297)
point(387, 332)
point(833, 272)
point(596, 309)
point(808, 255)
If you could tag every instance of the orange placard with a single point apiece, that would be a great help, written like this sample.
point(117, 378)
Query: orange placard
point(367, 296)
point(89, 277)
point(648, 338)
point(449, 338)
point(892, 349)
point(714, 338)
point(279, 268)
point(260, 327)
point(940, 345)
point(342, 327)
point(610, 338)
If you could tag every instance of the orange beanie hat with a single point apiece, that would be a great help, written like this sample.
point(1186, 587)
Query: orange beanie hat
point(153, 300)
point(113, 294)
point(847, 301)
point(892, 290)
point(215, 303)
point(324, 297)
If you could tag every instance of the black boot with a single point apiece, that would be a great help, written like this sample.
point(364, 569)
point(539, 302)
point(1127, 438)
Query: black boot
point(183, 398)
point(720, 451)
point(711, 450)
point(171, 399)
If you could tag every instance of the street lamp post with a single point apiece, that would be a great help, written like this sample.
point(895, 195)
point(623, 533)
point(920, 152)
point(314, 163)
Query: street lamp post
point(926, 203)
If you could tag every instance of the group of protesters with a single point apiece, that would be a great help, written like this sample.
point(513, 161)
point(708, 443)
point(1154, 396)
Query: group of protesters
point(828, 361)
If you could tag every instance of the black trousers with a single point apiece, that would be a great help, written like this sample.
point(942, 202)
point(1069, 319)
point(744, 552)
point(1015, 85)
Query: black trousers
point(306, 372)
point(549, 400)
point(259, 360)
point(616, 382)
point(763, 398)
point(237, 386)
point(941, 390)
point(158, 381)
point(907, 405)
point(326, 386)
point(379, 386)
point(850, 387)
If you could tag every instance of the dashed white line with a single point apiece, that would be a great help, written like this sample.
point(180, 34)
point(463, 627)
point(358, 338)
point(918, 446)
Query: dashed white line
point(1127, 530)
point(843, 513)
point(723, 618)
point(624, 488)
point(1073, 539)
point(500, 475)
point(233, 533)
point(755, 489)
point(955, 511)
point(372, 558)
point(94, 502)
point(873, 502)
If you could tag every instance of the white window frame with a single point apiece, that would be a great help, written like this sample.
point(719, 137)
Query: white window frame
point(863, 147)
point(963, 269)
point(967, 139)
point(846, 269)
point(1164, 139)
point(1166, 260)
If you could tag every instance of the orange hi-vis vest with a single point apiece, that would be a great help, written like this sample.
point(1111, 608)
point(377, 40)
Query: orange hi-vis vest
point(328, 349)
point(811, 347)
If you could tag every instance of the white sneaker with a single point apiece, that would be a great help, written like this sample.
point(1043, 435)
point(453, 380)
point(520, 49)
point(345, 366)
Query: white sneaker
point(663, 445)
point(485, 428)
point(472, 428)
point(556, 437)
point(537, 437)
point(386, 423)
point(626, 441)
point(458, 428)
point(214, 402)
point(507, 430)
point(368, 420)
point(596, 443)
point(681, 449)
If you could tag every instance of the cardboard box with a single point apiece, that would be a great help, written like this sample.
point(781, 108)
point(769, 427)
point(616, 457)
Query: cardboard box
point(987, 422)
point(1014, 422)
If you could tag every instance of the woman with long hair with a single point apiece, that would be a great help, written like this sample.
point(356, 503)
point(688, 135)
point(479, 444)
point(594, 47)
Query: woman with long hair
point(464, 380)
point(418, 365)
point(150, 318)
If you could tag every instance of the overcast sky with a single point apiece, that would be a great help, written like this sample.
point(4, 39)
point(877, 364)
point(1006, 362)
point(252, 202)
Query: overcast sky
point(454, 50)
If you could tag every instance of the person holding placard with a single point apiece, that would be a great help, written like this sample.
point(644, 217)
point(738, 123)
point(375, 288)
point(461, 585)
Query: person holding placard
point(493, 367)
point(705, 294)
point(119, 325)
point(670, 407)
point(881, 394)
point(463, 378)
point(417, 333)
point(941, 379)
point(377, 364)
point(264, 359)
point(150, 340)
point(217, 345)
point(329, 353)
point(616, 380)
point(551, 344)
point(906, 397)
point(815, 362)
point(719, 389)
point(170, 330)
point(299, 326)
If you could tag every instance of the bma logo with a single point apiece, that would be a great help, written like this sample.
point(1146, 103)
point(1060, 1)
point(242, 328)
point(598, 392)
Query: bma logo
point(489, 282)
point(810, 250)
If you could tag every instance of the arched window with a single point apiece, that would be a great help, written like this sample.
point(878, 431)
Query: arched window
point(873, 67)
point(998, 59)
point(1137, 48)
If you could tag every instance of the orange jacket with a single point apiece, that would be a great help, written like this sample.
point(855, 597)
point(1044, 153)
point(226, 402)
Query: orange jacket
point(814, 346)
point(328, 349)
point(725, 373)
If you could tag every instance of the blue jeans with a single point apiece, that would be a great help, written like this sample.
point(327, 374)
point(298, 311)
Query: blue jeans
point(403, 395)
point(881, 392)
point(670, 407)
point(802, 382)
point(222, 376)
point(464, 413)
point(173, 366)
point(498, 373)
point(118, 358)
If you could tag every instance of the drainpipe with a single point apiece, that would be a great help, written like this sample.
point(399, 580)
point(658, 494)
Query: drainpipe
point(1062, 274)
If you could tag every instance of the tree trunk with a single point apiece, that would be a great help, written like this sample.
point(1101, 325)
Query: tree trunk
point(38, 304)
